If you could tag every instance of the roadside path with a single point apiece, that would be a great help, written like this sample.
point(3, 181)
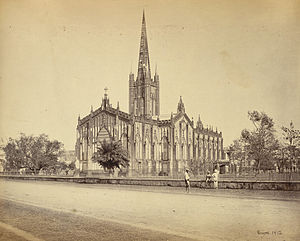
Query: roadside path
point(201, 215)
point(26, 222)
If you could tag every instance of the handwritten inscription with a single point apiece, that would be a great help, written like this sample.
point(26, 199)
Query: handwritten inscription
point(259, 232)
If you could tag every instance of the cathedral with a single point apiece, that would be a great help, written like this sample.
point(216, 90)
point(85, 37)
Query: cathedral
point(156, 147)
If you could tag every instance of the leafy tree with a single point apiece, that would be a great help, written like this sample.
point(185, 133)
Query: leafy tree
point(111, 155)
point(68, 167)
point(237, 152)
point(195, 166)
point(72, 166)
point(281, 158)
point(31, 152)
point(260, 143)
point(291, 146)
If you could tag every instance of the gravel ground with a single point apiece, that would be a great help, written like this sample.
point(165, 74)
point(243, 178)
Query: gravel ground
point(51, 225)
point(6, 236)
point(151, 213)
point(225, 193)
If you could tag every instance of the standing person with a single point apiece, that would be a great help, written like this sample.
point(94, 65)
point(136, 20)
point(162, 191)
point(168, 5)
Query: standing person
point(215, 177)
point(187, 180)
point(208, 179)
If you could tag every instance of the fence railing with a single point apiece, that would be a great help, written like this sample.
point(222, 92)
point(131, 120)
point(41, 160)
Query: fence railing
point(272, 176)
point(289, 176)
point(32, 174)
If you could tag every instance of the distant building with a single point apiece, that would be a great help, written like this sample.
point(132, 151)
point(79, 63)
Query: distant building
point(155, 146)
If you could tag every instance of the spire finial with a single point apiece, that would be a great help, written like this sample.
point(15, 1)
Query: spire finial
point(105, 92)
point(144, 62)
point(91, 108)
point(199, 122)
point(180, 107)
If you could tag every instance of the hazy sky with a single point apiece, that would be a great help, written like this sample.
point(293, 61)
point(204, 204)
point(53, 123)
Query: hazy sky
point(223, 57)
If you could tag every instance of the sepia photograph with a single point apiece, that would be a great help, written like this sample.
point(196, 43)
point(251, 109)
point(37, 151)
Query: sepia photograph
point(149, 120)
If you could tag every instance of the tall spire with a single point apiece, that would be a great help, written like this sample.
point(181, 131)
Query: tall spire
point(199, 122)
point(144, 62)
point(144, 92)
point(180, 107)
point(105, 100)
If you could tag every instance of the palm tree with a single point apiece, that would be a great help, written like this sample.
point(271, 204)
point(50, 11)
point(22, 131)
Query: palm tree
point(111, 155)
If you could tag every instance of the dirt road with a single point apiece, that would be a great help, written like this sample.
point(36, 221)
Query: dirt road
point(209, 215)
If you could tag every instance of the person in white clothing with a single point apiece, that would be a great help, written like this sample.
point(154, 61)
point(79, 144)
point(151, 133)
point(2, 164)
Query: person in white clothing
point(215, 177)
point(187, 181)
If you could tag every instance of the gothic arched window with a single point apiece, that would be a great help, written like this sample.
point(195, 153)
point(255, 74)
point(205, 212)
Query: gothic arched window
point(177, 156)
point(165, 149)
point(124, 142)
point(142, 106)
point(148, 149)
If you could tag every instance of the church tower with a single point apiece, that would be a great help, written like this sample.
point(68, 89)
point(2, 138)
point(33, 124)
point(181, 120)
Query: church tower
point(144, 91)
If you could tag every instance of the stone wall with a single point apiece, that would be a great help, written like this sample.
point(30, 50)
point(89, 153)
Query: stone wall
point(223, 184)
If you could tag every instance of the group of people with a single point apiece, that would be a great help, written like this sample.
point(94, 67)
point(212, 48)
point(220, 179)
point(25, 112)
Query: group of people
point(212, 178)
point(208, 179)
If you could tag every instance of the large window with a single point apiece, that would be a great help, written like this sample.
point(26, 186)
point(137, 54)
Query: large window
point(155, 151)
point(176, 151)
point(147, 149)
point(124, 142)
point(184, 152)
point(138, 148)
point(165, 149)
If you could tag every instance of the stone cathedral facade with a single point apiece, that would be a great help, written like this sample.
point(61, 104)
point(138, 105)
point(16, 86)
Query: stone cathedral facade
point(155, 146)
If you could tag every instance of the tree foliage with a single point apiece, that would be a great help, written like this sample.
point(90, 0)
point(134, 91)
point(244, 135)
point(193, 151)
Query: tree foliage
point(195, 166)
point(260, 144)
point(31, 152)
point(292, 136)
point(236, 150)
point(111, 155)
point(291, 147)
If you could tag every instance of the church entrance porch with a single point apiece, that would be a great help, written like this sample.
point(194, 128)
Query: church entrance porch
point(150, 168)
point(165, 168)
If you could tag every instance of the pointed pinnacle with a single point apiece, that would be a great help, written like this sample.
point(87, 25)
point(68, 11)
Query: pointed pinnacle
point(144, 16)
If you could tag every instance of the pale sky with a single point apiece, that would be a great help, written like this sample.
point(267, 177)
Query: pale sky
point(223, 57)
